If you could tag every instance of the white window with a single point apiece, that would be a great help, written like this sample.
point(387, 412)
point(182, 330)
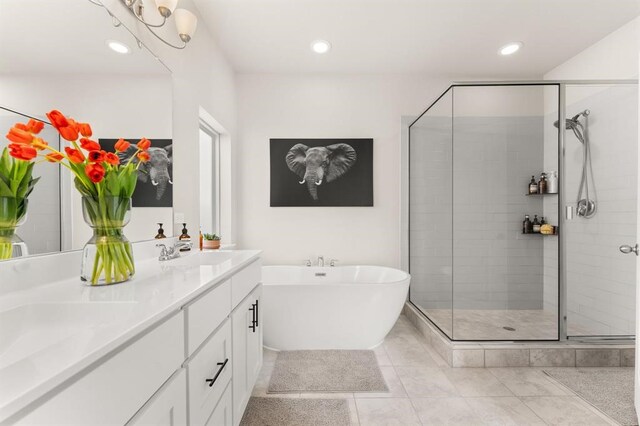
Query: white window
point(209, 179)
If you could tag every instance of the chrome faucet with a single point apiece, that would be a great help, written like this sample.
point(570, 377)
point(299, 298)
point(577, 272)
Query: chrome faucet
point(307, 262)
point(333, 262)
point(171, 252)
point(320, 260)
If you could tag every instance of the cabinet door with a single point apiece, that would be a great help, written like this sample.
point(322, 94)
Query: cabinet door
point(254, 340)
point(168, 407)
point(241, 321)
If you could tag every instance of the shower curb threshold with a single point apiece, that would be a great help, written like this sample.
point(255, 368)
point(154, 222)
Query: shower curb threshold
point(521, 354)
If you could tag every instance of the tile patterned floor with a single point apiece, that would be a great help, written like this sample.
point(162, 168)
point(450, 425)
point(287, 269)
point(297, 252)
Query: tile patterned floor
point(424, 390)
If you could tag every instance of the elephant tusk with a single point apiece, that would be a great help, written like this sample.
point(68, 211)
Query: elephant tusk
point(170, 182)
point(154, 183)
point(303, 181)
point(319, 182)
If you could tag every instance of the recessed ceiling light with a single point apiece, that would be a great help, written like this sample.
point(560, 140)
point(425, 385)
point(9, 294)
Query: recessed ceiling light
point(511, 48)
point(118, 47)
point(321, 46)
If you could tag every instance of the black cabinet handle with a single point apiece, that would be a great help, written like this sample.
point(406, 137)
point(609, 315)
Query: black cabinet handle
point(222, 365)
point(257, 316)
point(253, 309)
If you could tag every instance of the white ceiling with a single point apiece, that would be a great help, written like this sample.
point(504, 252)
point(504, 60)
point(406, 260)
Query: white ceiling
point(66, 37)
point(452, 38)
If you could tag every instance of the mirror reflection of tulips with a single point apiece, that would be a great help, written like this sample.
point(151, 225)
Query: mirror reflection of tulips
point(17, 182)
point(106, 186)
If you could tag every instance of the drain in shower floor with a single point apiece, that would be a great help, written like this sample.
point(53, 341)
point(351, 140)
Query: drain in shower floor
point(509, 328)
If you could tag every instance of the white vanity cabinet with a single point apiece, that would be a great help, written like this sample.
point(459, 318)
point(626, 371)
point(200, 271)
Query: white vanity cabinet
point(246, 321)
point(195, 367)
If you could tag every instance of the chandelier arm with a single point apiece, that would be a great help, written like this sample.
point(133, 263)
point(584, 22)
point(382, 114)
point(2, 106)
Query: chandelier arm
point(166, 42)
point(164, 21)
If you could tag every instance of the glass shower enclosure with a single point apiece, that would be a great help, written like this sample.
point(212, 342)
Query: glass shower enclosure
point(519, 196)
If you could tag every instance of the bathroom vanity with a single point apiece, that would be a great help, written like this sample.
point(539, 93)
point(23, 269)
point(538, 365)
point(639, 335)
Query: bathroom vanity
point(179, 344)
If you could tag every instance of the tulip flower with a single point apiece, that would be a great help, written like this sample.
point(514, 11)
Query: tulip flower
point(35, 126)
point(22, 151)
point(144, 144)
point(89, 145)
point(143, 156)
point(111, 158)
point(85, 129)
point(39, 144)
point(57, 119)
point(75, 155)
point(122, 145)
point(54, 157)
point(96, 156)
point(95, 172)
point(19, 135)
point(68, 133)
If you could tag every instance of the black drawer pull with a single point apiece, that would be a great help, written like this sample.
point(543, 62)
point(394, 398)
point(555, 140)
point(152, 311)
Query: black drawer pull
point(222, 365)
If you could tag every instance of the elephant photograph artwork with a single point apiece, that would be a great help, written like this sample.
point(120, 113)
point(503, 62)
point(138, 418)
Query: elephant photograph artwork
point(321, 172)
point(155, 177)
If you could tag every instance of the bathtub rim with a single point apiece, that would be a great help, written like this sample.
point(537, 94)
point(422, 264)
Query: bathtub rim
point(407, 276)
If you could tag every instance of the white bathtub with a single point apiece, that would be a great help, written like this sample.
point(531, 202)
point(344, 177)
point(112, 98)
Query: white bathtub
point(344, 307)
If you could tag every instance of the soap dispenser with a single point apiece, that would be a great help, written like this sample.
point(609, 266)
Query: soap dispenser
point(185, 237)
point(160, 233)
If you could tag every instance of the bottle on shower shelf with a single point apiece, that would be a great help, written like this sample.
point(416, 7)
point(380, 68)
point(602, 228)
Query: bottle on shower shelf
point(535, 225)
point(527, 226)
point(542, 184)
point(533, 186)
point(552, 182)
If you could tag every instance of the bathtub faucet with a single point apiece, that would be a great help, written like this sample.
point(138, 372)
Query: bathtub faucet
point(320, 260)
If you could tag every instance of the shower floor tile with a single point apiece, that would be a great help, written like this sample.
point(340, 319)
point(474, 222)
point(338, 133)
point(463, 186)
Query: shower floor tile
point(485, 324)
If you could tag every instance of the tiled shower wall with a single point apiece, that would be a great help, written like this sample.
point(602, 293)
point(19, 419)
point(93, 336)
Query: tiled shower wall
point(600, 280)
point(475, 251)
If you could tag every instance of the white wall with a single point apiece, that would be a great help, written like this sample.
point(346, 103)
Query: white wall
point(115, 106)
point(325, 106)
point(600, 280)
point(613, 57)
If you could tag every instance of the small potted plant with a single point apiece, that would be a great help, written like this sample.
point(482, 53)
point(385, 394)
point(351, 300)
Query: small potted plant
point(210, 241)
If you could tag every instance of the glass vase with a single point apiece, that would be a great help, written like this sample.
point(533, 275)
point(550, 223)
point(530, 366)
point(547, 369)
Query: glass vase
point(107, 258)
point(13, 213)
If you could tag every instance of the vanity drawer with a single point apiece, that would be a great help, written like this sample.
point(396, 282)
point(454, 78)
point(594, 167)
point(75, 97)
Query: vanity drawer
point(206, 313)
point(112, 392)
point(244, 281)
point(209, 373)
point(222, 414)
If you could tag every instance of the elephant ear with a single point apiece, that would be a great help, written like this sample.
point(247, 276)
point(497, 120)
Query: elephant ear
point(169, 149)
point(343, 157)
point(295, 159)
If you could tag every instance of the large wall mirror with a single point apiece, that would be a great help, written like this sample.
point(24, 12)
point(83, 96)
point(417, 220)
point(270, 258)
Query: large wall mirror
point(61, 55)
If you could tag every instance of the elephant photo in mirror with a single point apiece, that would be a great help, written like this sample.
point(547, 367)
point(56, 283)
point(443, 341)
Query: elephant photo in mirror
point(321, 172)
point(155, 177)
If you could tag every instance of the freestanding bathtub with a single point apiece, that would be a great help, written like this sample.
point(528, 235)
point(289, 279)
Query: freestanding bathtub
point(343, 307)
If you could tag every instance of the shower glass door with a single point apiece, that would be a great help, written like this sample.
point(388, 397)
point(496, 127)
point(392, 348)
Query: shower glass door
point(600, 203)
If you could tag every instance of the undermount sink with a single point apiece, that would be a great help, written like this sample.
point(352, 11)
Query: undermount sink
point(201, 258)
point(27, 329)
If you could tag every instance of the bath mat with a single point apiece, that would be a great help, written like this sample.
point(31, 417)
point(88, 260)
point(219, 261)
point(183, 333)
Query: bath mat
point(608, 389)
point(326, 371)
point(296, 412)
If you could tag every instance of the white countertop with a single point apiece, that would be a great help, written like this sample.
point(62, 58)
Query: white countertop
point(50, 332)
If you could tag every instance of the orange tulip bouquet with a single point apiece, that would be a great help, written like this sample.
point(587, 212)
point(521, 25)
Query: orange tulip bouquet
point(106, 181)
point(16, 183)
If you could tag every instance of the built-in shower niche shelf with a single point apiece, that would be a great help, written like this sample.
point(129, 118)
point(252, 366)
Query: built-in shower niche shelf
point(542, 235)
point(541, 195)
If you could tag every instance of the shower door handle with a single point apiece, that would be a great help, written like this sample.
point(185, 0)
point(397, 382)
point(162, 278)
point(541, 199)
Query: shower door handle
point(628, 249)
